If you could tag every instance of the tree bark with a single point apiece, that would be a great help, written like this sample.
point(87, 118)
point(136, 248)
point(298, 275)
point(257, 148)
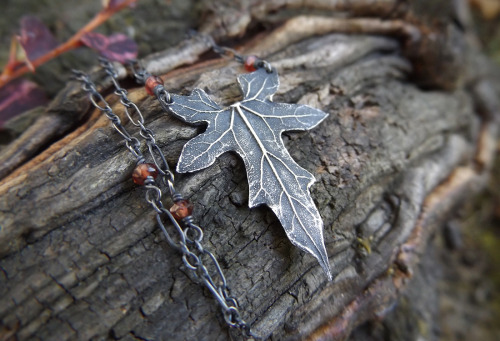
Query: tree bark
point(411, 134)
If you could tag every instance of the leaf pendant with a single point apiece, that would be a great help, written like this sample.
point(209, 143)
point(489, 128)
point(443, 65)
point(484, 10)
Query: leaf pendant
point(252, 128)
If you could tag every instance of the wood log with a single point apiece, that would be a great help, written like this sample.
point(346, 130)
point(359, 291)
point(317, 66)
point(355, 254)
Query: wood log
point(411, 133)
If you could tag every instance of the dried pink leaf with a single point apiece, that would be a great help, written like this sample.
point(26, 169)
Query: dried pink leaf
point(19, 96)
point(35, 39)
point(117, 47)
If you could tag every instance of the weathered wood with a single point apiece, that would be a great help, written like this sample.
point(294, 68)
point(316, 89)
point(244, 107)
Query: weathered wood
point(82, 257)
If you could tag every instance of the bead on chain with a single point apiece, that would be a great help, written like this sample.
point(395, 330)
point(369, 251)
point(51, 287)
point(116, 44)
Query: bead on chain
point(250, 63)
point(143, 171)
point(151, 83)
point(146, 173)
point(181, 209)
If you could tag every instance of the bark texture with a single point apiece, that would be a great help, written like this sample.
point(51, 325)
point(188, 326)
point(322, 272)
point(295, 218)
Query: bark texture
point(411, 135)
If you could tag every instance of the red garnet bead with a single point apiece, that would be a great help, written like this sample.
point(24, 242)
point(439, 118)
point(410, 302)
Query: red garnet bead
point(250, 63)
point(151, 83)
point(181, 209)
point(142, 171)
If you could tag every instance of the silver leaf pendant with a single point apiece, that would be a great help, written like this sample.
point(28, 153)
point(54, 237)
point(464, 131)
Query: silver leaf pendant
point(252, 128)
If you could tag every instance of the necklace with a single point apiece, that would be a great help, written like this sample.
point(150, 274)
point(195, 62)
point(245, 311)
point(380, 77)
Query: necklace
point(252, 128)
point(189, 240)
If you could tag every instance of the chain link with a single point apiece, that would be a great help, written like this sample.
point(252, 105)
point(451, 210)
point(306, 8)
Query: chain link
point(228, 52)
point(188, 237)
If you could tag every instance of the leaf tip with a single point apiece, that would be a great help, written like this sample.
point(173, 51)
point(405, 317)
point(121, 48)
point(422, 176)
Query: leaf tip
point(326, 268)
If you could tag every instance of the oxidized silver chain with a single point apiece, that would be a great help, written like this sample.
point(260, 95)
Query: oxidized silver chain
point(189, 236)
